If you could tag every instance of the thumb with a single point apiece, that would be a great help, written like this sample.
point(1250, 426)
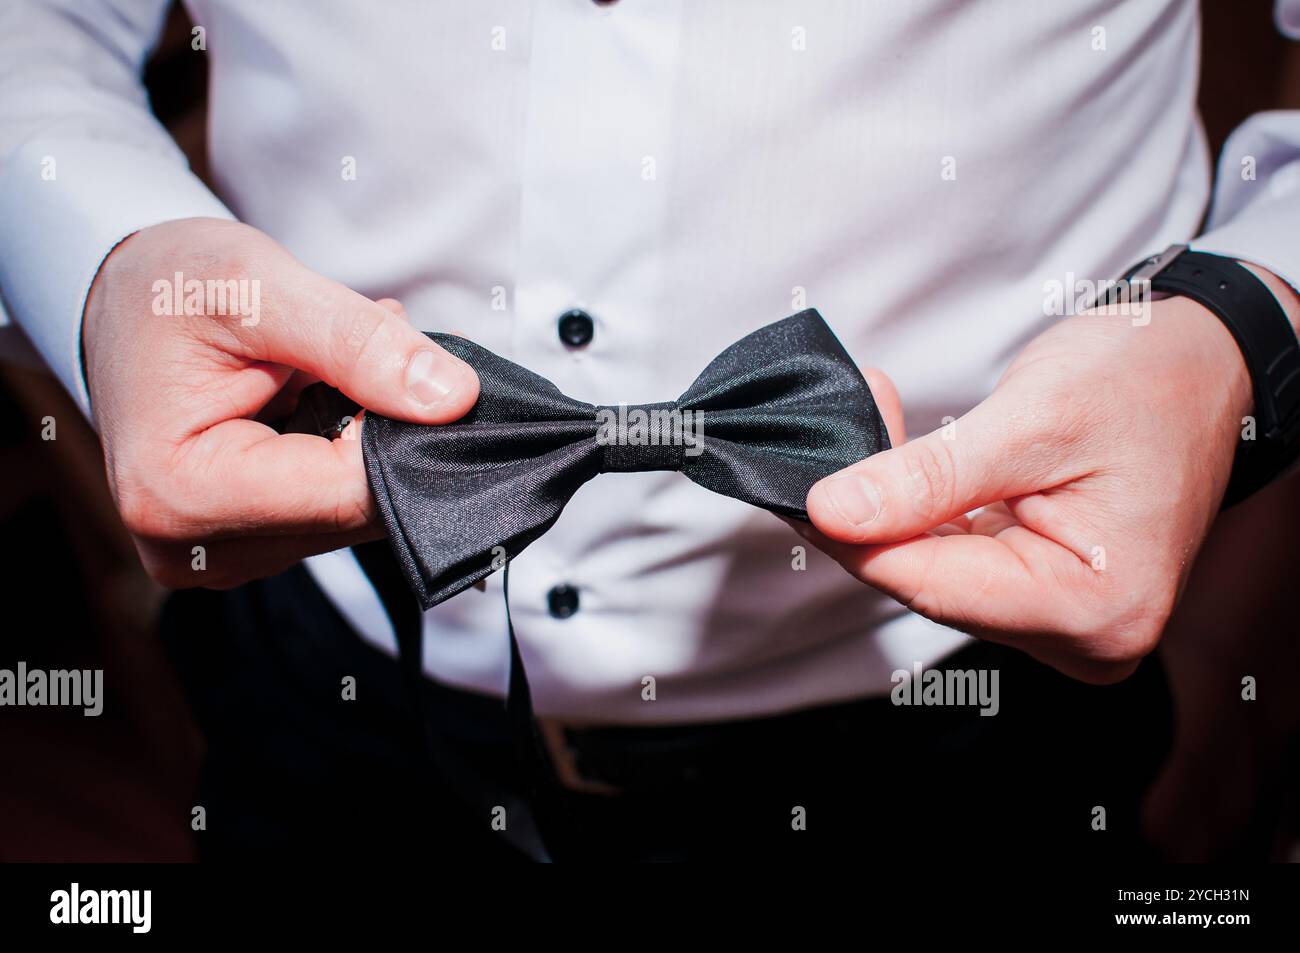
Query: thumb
point(990, 454)
point(367, 350)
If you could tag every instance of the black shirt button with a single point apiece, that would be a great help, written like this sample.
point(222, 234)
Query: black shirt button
point(562, 601)
point(576, 328)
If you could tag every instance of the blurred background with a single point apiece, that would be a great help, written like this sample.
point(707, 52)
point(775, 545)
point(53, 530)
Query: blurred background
point(120, 786)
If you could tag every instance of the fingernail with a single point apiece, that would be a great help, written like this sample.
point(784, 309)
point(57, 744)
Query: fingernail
point(428, 379)
point(855, 499)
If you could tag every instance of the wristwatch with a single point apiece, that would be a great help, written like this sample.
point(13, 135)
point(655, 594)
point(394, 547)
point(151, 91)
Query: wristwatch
point(1267, 341)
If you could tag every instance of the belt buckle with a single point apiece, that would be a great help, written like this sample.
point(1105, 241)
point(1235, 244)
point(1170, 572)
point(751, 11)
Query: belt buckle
point(564, 762)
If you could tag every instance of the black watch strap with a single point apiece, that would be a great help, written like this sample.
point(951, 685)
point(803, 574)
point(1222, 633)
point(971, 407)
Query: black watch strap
point(1267, 341)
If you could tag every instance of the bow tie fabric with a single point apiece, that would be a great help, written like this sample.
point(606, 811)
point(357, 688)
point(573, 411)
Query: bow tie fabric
point(771, 415)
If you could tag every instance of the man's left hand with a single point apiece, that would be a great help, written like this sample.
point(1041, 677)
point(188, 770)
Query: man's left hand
point(1063, 513)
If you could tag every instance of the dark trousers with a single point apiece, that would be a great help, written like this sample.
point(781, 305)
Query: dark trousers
point(292, 765)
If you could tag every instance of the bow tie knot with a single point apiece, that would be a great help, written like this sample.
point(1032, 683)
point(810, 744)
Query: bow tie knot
point(644, 437)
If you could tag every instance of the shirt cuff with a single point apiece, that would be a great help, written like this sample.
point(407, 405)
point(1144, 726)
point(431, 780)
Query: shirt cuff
point(1263, 234)
point(1256, 211)
point(66, 204)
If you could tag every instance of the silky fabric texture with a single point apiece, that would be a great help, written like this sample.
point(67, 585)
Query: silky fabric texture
point(777, 411)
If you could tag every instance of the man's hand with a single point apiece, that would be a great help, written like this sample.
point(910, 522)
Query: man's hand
point(1099, 461)
point(176, 398)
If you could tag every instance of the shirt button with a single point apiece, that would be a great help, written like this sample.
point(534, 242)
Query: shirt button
point(562, 601)
point(576, 328)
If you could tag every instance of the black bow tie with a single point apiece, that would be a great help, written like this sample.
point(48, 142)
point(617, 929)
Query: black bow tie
point(771, 415)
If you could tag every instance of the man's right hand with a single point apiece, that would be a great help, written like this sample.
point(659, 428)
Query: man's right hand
point(176, 397)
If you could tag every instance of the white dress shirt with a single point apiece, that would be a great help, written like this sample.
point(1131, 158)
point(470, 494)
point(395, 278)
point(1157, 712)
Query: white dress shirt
point(686, 172)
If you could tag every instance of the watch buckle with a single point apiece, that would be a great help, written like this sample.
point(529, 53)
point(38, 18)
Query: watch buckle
point(1139, 278)
point(1156, 264)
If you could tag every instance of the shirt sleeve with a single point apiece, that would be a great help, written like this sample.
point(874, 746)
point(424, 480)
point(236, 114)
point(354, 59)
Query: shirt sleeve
point(1255, 215)
point(83, 165)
